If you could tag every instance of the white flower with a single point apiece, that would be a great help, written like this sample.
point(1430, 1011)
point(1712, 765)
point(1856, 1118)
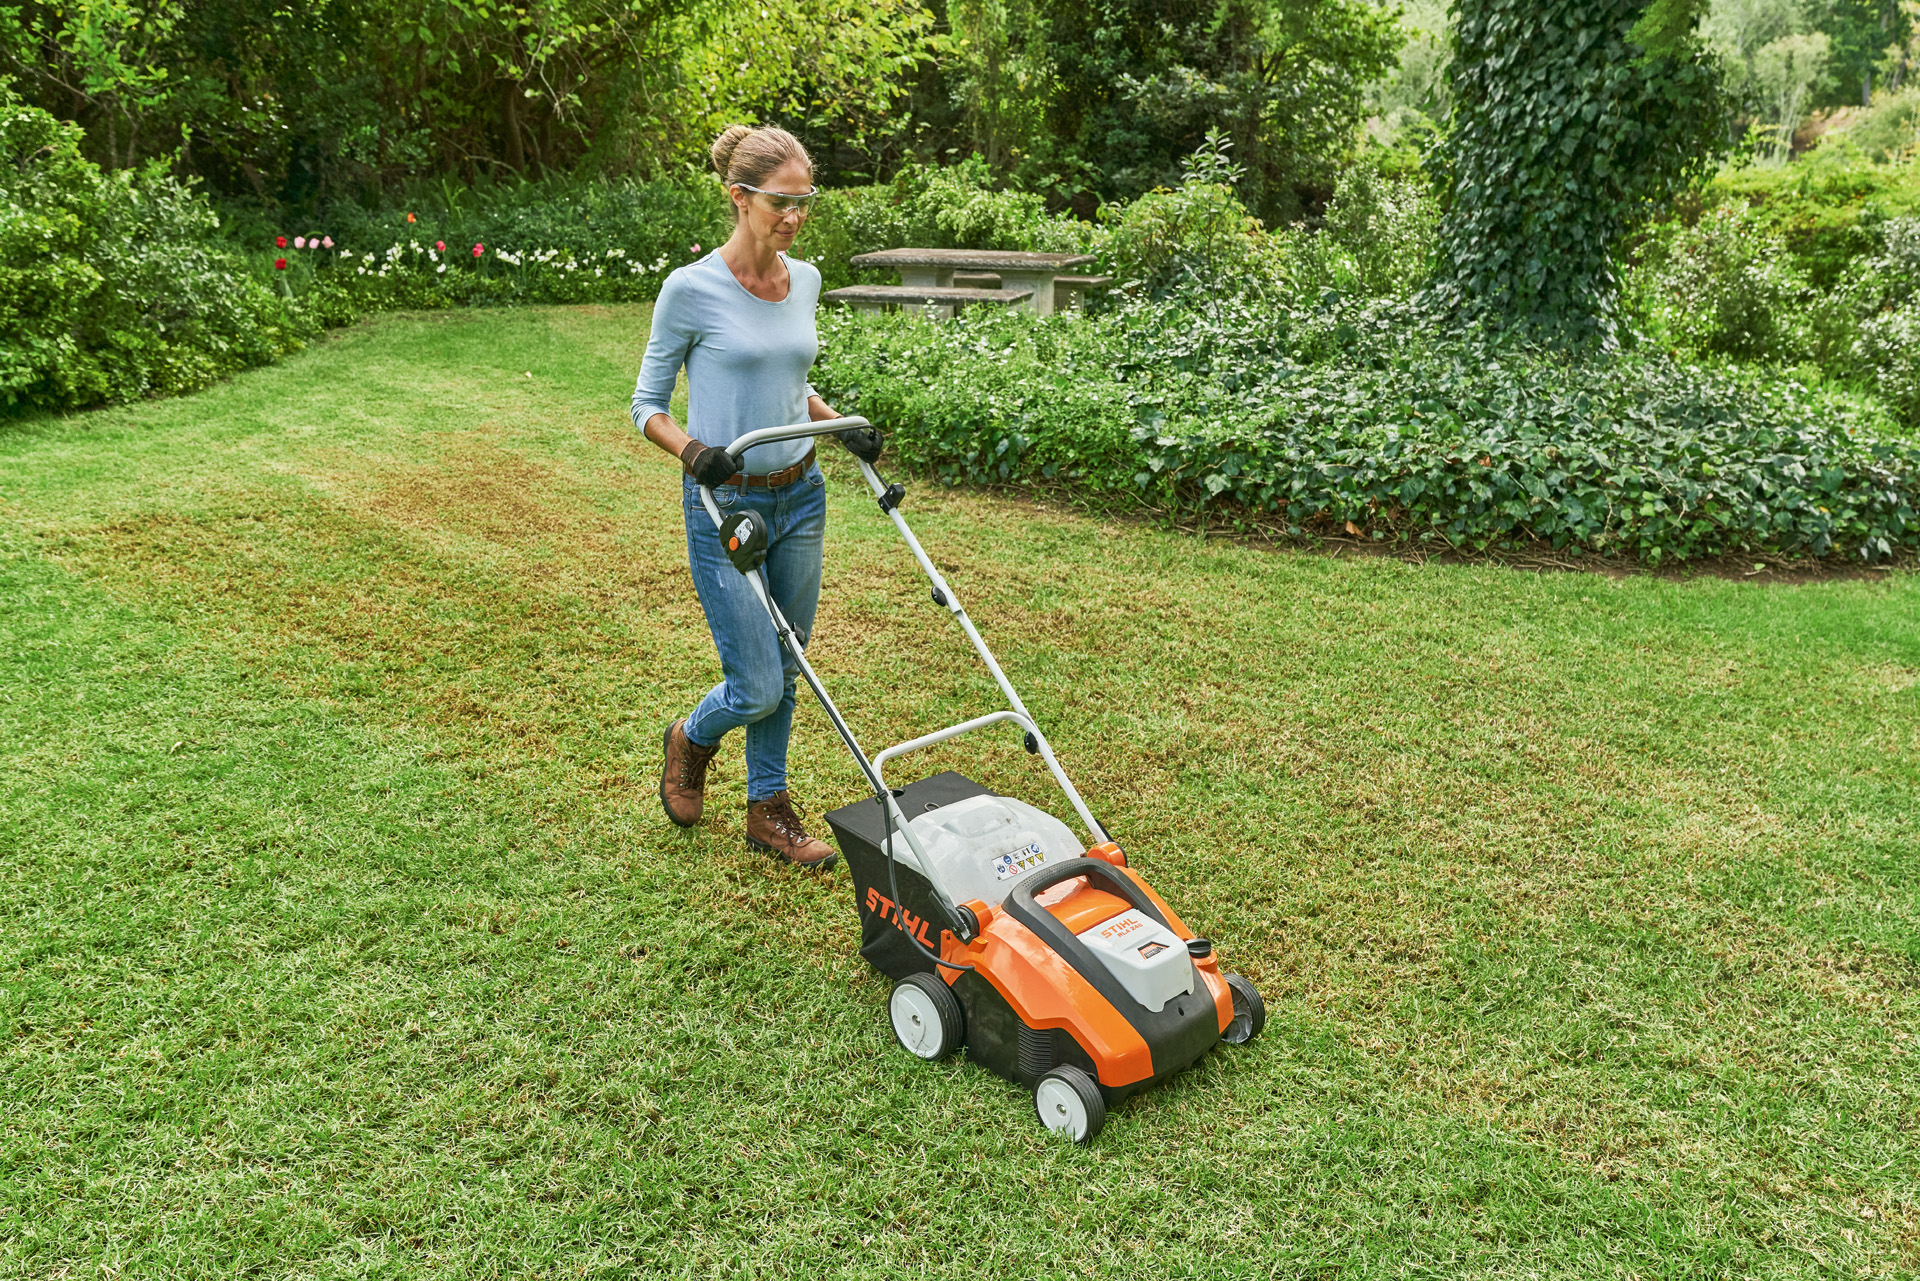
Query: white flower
point(441, 268)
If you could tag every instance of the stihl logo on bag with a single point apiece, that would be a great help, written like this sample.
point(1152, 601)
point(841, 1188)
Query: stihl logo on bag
point(901, 918)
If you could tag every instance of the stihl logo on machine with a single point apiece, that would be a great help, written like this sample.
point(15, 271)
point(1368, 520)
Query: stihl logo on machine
point(1025, 859)
point(1123, 926)
point(902, 919)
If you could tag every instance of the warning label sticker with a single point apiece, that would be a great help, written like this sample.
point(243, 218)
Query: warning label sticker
point(1014, 862)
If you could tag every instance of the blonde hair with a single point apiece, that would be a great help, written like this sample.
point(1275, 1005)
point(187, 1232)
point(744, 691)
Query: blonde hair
point(743, 154)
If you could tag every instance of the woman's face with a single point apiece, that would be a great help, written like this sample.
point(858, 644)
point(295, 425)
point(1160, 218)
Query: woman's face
point(763, 223)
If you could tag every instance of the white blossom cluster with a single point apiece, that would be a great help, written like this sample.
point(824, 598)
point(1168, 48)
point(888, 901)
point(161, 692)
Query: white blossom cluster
point(613, 260)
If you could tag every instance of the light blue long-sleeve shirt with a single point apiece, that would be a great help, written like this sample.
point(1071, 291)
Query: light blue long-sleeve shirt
point(747, 358)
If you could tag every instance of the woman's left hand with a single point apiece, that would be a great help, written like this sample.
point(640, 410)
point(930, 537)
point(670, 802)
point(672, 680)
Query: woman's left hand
point(864, 443)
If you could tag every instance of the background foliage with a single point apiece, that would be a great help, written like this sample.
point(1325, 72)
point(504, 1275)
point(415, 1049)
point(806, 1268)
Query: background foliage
point(111, 285)
point(1527, 174)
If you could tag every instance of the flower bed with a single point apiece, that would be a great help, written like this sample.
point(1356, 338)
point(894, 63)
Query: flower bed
point(538, 243)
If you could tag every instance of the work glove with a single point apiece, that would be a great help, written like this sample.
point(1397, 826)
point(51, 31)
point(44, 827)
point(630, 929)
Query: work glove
point(864, 443)
point(744, 535)
point(708, 464)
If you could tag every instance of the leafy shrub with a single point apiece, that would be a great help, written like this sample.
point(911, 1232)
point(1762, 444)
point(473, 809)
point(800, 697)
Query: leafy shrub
point(1728, 287)
point(1824, 207)
point(1196, 239)
point(48, 199)
point(1891, 130)
point(115, 286)
point(1724, 286)
point(1399, 433)
point(1889, 347)
point(1376, 240)
point(1901, 259)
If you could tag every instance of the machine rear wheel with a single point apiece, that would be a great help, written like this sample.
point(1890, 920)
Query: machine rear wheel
point(926, 1016)
point(1069, 1103)
point(1249, 1011)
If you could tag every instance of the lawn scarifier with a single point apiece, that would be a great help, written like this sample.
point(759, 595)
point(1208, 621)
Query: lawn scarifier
point(1077, 980)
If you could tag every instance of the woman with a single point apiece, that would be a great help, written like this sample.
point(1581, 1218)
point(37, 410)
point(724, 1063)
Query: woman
point(741, 321)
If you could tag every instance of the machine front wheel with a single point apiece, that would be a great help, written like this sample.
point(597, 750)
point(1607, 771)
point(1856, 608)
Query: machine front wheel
point(926, 1016)
point(1069, 1103)
point(1249, 1011)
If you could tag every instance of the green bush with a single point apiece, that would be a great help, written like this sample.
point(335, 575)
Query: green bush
point(1195, 240)
point(1891, 130)
point(932, 207)
point(1725, 286)
point(49, 196)
point(1364, 419)
point(1825, 207)
point(1728, 287)
point(115, 286)
point(1889, 347)
point(1376, 240)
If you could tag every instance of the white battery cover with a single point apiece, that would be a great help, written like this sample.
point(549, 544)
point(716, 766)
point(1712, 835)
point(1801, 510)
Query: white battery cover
point(982, 846)
point(1150, 961)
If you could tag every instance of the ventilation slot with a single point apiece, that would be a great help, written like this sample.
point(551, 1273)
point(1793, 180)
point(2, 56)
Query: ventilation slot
point(1036, 1052)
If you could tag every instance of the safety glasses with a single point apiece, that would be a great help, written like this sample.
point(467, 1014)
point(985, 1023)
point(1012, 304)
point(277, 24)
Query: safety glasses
point(784, 202)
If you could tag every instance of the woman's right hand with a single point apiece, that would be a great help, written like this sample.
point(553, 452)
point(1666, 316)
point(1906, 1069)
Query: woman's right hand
point(711, 465)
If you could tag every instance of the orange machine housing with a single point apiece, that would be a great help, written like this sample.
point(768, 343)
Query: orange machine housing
point(1034, 995)
point(1045, 992)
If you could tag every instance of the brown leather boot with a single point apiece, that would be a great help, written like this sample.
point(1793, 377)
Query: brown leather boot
point(774, 827)
point(683, 778)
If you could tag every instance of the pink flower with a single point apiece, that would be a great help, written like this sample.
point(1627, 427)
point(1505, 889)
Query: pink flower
point(693, 249)
point(477, 250)
point(279, 264)
point(279, 242)
point(326, 242)
point(440, 245)
point(299, 242)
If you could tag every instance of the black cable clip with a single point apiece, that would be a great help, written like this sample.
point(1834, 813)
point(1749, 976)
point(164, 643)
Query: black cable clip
point(939, 598)
point(896, 493)
point(1033, 744)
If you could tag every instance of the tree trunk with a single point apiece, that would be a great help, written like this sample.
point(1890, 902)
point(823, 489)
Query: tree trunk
point(510, 115)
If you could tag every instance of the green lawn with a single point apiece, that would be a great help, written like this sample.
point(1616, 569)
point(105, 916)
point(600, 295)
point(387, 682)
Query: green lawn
point(341, 933)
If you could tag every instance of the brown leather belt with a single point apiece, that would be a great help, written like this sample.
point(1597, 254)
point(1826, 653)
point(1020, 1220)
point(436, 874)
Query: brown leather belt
point(774, 479)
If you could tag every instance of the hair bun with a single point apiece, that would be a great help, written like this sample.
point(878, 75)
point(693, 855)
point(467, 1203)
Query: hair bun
point(722, 153)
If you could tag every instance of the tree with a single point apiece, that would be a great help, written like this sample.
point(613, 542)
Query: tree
point(1859, 33)
point(1787, 72)
point(1142, 81)
point(1573, 119)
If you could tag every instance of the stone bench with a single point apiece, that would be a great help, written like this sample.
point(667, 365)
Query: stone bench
point(939, 301)
point(1072, 291)
point(1068, 291)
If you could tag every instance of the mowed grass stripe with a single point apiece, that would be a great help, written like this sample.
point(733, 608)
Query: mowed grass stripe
point(349, 939)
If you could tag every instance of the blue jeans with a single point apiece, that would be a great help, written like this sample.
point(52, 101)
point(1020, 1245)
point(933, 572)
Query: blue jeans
point(757, 685)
